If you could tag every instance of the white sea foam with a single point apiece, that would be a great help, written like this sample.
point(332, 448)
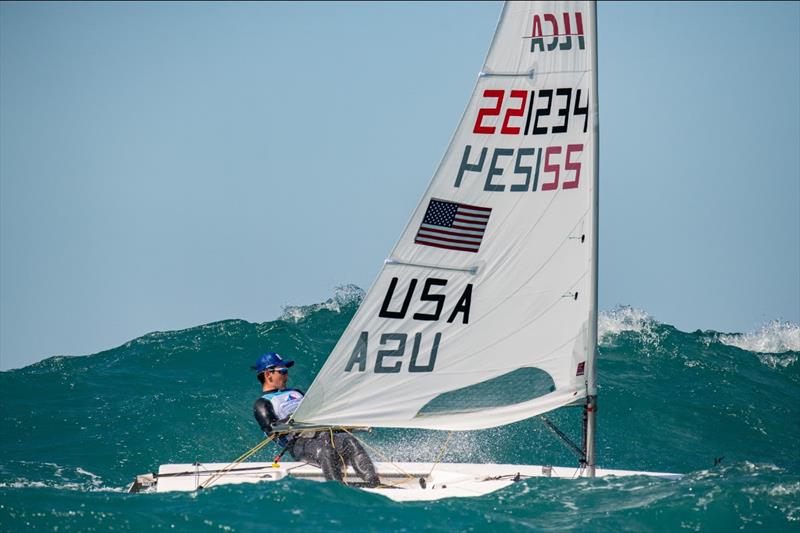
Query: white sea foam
point(22, 483)
point(55, 476)
point(624, 318)
point(342, 296)
point(774, 360)
point(785, 490)
point(775, 337)
point(94, 479)
point(782, 496)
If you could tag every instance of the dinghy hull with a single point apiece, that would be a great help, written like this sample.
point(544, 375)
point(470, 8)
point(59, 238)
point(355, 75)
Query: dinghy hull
point(402, 481)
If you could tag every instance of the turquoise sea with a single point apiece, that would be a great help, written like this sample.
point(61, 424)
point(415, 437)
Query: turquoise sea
point(74, 432)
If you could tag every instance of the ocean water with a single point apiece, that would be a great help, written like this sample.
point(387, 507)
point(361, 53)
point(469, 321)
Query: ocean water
point(75, 431)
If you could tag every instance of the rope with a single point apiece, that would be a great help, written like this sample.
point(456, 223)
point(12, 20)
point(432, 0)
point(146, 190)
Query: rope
point(246, 455)
point(441, 452)
point(341, 457)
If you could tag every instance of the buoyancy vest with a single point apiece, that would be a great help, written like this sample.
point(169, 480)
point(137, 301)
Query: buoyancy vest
point(284, 402)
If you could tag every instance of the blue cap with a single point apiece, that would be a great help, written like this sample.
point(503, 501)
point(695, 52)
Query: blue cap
point(270, 360)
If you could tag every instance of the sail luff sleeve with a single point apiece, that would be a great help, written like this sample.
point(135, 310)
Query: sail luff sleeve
point(591, 363)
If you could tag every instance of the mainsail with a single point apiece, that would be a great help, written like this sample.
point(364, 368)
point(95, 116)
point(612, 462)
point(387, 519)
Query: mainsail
point(485, 312)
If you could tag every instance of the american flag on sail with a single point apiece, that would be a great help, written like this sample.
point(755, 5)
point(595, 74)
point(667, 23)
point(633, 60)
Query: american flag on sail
point(453, 226)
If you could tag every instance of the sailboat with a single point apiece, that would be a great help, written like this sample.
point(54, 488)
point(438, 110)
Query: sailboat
point(485, 312)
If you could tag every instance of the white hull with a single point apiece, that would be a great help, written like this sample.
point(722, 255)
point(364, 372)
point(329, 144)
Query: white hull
point(447, 480)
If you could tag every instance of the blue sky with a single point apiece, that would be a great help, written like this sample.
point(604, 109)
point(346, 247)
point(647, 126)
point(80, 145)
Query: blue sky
point(168, 165)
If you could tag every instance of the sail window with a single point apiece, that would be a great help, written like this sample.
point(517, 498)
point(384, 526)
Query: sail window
point(515, 387)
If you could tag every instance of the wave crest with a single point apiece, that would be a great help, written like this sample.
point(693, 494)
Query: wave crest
point(774, 342)
point(343, 296)
point(624, 318)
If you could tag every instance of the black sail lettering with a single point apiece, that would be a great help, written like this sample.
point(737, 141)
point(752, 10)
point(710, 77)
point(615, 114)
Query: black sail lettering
point(359, 354)
point(463, 305)
point(385, 313)
point(428, 297)
point(413, 367)
point(397, 352)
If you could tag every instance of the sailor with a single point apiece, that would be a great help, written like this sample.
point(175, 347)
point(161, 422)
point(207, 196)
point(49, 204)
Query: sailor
point(332, 451)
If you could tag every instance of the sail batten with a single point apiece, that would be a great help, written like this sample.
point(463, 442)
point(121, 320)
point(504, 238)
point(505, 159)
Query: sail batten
point(494, 275)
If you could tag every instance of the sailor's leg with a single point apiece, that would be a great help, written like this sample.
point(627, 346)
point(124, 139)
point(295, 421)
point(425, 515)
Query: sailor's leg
point(330, 463)
point(357, 457)
point(304, 450)
point(319, 452)
point(328, 457)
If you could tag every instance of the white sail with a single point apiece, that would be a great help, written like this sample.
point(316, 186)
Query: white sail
point(485, 312)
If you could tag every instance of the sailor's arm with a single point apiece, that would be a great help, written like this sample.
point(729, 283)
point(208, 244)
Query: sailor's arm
point(262, 411)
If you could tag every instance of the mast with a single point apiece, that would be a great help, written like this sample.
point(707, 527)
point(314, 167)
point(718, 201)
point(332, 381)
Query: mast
point(590, 409)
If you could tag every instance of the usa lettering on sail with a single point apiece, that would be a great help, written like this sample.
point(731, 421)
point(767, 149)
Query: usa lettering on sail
point(391, 358)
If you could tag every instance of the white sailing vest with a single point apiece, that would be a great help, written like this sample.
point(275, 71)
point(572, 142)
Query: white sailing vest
point(284, 402)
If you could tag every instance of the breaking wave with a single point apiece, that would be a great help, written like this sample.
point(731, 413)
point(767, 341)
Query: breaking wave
point(775, 337)
point(343, 296)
